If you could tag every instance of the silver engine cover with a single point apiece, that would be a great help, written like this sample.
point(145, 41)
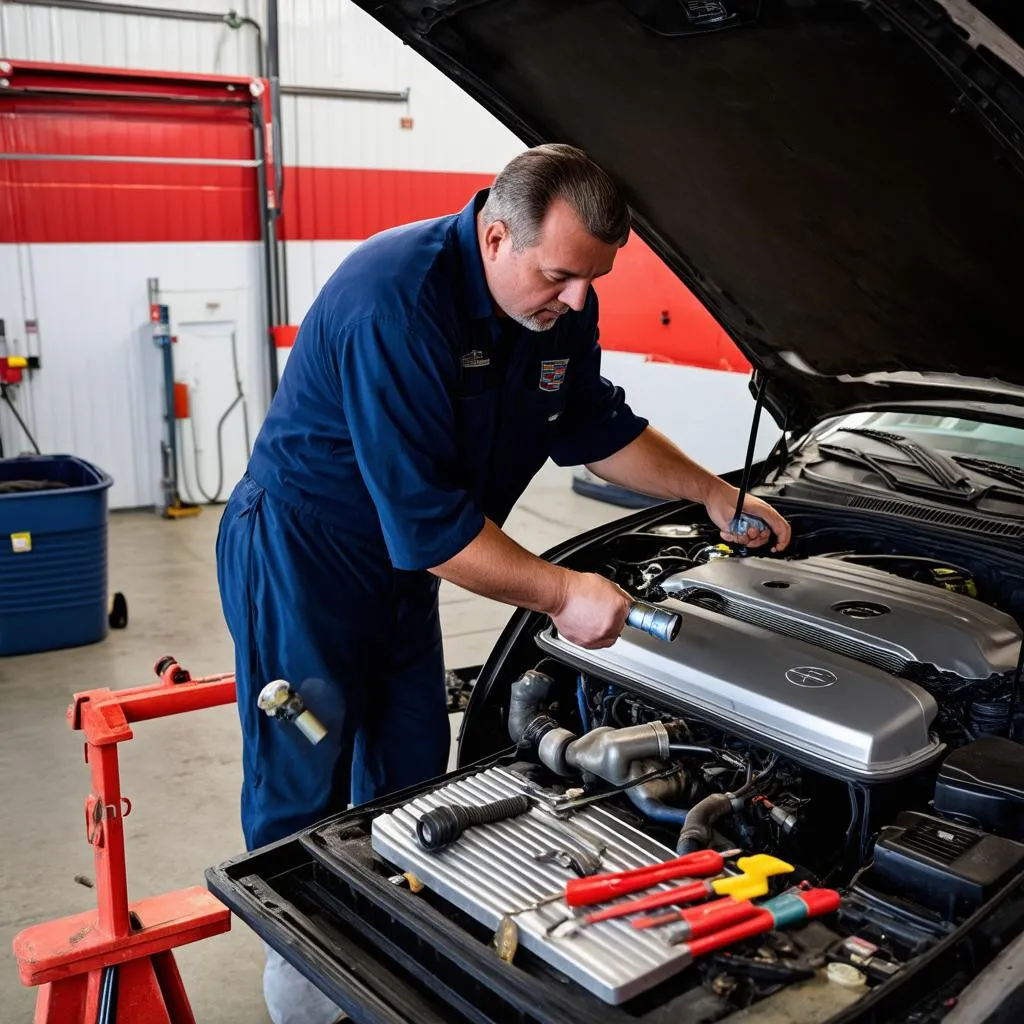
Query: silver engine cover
point(824, 709)
point(867, 613)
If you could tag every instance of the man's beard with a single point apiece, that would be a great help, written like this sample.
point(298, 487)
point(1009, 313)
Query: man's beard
point(533, 321)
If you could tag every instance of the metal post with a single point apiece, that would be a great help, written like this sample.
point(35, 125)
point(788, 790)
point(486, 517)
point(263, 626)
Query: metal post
point(106, 834)
point(267, 242)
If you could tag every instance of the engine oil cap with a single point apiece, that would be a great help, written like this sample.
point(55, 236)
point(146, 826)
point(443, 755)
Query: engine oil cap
point(846, 975)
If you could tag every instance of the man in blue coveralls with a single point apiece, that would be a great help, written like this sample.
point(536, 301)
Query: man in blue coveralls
point(439, 368)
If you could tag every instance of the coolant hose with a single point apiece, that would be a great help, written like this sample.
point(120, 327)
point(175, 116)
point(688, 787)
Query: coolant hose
point(698, 829)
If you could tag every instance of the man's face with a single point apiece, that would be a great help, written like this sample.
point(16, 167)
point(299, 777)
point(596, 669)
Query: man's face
point(536, 286)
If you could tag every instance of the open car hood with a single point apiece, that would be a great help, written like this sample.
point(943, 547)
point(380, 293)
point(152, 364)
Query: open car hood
point(839, 182)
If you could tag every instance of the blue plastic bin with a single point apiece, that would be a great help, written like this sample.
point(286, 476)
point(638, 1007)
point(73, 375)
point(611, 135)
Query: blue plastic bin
point(53, 555)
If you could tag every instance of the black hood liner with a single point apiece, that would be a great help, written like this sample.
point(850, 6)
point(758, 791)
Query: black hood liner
point(837, 180)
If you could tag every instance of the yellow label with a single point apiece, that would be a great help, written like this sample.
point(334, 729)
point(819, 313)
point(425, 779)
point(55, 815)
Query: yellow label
point(21, 542)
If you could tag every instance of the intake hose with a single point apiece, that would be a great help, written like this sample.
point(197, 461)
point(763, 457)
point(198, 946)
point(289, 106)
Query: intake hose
point(698, 830)
point(649, 797)
point(617, 756)
point(528, 692)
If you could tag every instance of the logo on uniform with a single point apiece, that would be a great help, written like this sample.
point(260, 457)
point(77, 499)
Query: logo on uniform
point(552, 373)
point(474, 360)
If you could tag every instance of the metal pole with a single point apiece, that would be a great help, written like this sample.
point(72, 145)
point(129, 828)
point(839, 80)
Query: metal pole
point(274, 76)
point(266, 240)
point(318, 92)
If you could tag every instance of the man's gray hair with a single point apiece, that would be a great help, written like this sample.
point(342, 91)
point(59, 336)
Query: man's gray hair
point(530, 182)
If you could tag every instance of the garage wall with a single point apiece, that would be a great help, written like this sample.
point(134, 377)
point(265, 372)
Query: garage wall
point(353, 166)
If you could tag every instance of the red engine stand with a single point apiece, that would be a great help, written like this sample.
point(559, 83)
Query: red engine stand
point(113, 964)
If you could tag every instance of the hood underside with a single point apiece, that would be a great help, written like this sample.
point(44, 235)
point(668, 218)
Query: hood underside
point(839, 182)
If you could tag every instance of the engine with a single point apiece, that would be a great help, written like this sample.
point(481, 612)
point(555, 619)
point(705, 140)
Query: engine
point(841, 685)
point(845, 713)
point(805, 701)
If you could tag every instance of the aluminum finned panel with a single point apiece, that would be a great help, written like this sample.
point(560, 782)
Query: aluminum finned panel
point(490, 870)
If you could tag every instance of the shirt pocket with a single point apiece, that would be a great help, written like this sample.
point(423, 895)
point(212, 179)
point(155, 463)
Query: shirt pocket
point(476, 418)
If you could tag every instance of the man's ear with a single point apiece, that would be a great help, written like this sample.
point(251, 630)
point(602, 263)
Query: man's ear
point(494, 234)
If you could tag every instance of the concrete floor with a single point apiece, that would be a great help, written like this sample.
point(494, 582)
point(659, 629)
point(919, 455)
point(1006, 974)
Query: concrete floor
point(182, 774)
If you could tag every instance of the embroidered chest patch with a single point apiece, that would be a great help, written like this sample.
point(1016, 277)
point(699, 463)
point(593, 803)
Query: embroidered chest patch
point(475, 360)
point(552, 373)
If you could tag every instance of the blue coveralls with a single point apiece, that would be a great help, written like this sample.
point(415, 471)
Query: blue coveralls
point(407, 412)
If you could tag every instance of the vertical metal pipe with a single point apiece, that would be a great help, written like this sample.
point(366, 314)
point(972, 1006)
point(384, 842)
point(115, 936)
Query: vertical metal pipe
point(267, 244)
point(274, 76)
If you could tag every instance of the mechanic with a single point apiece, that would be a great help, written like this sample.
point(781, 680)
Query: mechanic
point(441, 365)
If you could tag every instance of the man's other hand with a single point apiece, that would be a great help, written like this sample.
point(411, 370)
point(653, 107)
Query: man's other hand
point(721, 507)
point(593, 611)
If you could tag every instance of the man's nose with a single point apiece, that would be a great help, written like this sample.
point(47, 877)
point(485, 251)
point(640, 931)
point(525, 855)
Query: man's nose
point(574, 294)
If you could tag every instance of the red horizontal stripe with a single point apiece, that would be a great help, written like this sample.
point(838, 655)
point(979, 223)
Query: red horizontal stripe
point(644, 308)
point(347, 203)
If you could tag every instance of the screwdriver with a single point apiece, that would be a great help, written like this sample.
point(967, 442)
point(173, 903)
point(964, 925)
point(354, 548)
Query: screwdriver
point(752, 882)
point(581, 892)
point(703, 919)
point(789, 908)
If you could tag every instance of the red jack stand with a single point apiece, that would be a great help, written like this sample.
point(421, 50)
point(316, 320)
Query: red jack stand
point(113, 965)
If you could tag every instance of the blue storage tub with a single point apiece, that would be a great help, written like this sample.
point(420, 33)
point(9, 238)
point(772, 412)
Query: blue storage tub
point(53, 555)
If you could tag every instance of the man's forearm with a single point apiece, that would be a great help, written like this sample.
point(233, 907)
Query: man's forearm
point(653, 465)
point(494, 565)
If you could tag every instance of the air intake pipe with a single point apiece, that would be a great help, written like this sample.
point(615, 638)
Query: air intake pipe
point(616, 755)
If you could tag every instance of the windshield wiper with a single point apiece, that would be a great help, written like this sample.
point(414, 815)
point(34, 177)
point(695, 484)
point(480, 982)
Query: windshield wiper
point(894, 481)
point(940, 468)
point(996, 470)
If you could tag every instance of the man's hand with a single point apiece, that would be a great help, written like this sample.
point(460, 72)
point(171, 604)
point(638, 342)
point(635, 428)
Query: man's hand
point(721, 506)
point(652, 464)
point(586, 608)
point(594, 611)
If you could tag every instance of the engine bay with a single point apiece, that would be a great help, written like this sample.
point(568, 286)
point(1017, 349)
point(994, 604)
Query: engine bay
point(850, 706)
point(831, 744)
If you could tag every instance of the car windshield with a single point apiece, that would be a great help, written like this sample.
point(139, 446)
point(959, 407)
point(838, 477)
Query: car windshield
point(954, 435)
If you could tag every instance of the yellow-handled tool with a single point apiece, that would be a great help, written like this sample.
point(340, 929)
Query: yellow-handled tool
point(749, 884)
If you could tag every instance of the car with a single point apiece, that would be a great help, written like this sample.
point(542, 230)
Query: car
point(841, 185)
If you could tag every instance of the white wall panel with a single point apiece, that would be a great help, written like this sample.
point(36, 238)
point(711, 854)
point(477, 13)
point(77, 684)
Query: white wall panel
point(15, 308)
point(128, 41)
point(310, 264)
point(332, 43)
point(450, 132)
point(99, 393)
point(706, 412)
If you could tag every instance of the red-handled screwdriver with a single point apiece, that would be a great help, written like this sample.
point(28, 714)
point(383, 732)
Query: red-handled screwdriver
point(789, 908)
point(702, 920)
point(582, 892)
point(753, 881)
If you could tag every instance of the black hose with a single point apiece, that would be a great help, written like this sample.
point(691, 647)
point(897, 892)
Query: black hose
point(441, 826)
point(698, 830)
point(524, 702)
point(683, 749)
point(106, 1012)
point(17, 415)
point(854, 813)
point(754, 781)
